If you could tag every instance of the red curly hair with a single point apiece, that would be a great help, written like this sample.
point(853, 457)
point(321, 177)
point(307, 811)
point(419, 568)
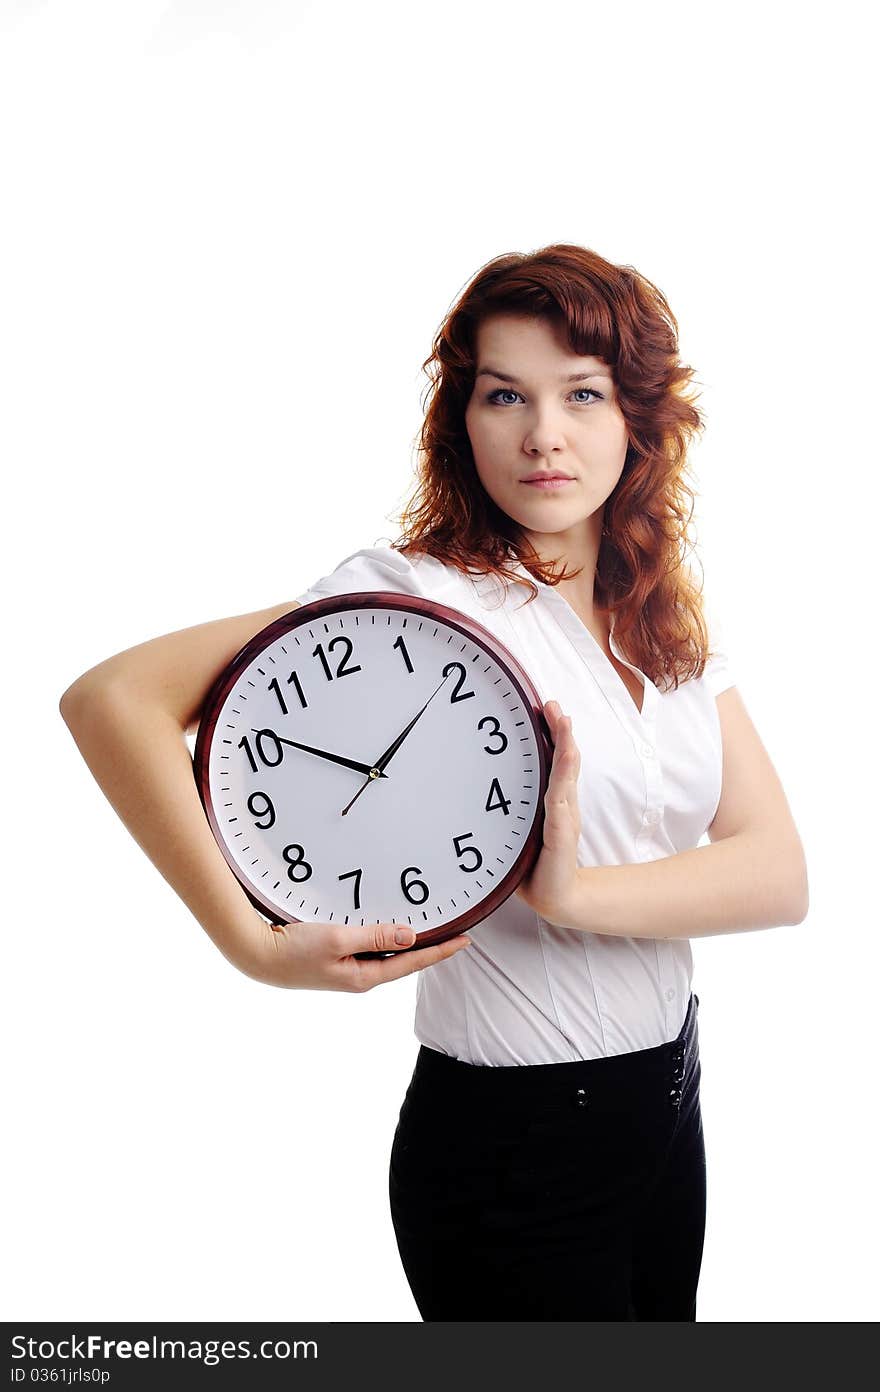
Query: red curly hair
point(618, 315)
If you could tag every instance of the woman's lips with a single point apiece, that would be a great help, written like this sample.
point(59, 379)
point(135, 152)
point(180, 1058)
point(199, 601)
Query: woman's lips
point(547, 483)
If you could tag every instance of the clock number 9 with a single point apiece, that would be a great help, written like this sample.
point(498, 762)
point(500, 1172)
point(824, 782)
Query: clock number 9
point(267, 811)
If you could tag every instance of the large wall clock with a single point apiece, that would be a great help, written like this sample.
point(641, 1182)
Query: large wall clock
point(375, 758)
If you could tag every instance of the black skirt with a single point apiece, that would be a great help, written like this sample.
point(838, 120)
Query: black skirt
point(553, 1191)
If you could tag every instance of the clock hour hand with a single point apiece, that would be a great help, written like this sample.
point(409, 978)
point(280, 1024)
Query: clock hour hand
point(378, 769)
point(323, 754)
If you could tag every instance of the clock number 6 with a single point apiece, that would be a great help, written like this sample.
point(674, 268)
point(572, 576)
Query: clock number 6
point(407, 887)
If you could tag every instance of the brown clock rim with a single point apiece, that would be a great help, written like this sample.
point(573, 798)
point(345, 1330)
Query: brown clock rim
point(381, 599)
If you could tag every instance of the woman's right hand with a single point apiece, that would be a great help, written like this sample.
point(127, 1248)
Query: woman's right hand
point(320, 956)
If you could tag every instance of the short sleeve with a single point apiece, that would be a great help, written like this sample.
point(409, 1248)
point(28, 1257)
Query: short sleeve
point(718, 673)
point(371, 568)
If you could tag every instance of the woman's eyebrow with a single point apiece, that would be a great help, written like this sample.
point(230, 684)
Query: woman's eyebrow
point(572, 376)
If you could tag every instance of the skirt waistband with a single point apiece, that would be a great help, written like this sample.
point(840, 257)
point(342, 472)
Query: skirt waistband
point(472, 1081)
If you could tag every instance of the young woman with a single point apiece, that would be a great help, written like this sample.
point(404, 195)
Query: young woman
point(549, 1160)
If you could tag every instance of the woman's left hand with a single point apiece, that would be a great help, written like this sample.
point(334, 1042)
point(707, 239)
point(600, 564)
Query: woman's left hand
point(551, 886)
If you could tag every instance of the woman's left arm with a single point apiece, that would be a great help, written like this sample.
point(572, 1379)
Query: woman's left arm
point(753, 875)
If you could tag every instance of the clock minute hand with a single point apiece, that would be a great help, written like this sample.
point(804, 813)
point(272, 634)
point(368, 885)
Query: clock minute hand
point(321, 753)
point(385, 759)
point(378, 769)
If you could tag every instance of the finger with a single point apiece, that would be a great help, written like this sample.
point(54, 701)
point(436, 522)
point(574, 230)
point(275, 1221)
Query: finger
point(405, 963)
point(561, 724)
point(340, 940)
point(565, 754)
point(552, 711)
point(572, 763)
point(562, 798)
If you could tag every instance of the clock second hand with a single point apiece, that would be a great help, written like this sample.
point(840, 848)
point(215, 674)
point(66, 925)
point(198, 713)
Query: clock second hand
point(378, 771)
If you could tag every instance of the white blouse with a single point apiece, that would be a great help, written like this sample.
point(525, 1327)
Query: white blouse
point(528, 991)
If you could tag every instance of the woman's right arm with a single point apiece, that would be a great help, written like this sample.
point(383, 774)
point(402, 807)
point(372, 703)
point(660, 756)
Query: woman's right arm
point(129, 717)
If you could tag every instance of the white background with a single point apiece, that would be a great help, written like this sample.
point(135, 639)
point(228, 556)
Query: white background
point(229, 233)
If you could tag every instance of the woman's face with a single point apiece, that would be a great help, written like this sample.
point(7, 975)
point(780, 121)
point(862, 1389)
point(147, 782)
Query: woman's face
point(525, 417)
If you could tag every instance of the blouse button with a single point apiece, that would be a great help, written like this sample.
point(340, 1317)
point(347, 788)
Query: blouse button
point(652, 817)
point(648, 750)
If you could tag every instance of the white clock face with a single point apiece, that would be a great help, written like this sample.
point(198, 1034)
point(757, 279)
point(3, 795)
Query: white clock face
point(438, 825)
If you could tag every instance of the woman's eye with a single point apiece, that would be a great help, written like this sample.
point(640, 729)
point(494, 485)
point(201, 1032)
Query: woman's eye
point(508, 391)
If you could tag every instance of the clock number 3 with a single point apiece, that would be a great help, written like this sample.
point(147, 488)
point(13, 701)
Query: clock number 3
point(497, 733)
